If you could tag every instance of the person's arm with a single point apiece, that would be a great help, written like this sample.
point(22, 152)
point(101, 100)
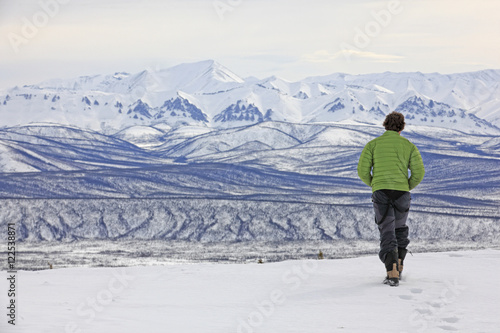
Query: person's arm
point(417, 169)
point(365, 165)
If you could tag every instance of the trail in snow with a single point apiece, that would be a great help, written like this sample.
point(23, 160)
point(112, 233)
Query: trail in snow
point(441, 292)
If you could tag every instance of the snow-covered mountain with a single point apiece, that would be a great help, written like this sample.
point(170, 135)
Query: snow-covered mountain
point(206, 155)
point(208, 94)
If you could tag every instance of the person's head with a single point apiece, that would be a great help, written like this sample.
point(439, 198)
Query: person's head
point(394, 121)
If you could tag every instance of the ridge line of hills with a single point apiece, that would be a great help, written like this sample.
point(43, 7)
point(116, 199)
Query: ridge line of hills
point(208, 94)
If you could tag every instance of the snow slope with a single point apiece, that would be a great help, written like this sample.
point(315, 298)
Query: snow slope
point(440, 292)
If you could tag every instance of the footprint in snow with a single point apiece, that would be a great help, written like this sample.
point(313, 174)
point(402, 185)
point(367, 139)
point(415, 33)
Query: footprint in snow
point(406, 297)
point(416, 290)
point(435, 304)
point(424, 311)
point(448, 328)
point(451, 319)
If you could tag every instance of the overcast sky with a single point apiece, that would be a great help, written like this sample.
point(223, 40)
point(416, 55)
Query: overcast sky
point(292, 39)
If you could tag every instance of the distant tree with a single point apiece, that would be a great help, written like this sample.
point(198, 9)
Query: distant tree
point(320, 255)
point(260, 261)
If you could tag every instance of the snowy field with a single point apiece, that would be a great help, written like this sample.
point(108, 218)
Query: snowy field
point(440, 292)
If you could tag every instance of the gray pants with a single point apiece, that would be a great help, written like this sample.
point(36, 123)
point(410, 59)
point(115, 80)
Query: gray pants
point(391, 211)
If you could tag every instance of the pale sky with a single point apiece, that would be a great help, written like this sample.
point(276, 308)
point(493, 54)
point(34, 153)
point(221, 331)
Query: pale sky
point(292, 39)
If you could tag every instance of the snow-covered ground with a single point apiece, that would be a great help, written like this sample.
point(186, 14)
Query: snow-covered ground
point(440, 292)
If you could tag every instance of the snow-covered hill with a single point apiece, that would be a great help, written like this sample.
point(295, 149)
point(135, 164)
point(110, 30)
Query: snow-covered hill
point(270, 181)
point(208, 94)
point(440, 292)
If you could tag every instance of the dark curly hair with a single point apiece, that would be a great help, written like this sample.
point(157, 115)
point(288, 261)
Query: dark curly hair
point(394, 121)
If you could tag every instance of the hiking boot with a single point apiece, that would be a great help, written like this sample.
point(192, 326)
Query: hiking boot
point(391, 266)
point(401, 257)
point(392, 277)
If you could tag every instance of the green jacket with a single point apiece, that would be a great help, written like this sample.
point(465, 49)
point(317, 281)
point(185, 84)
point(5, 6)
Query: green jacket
point(391, 155)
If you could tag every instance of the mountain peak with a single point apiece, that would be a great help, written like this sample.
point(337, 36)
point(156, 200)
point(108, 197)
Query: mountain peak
point(208, 68)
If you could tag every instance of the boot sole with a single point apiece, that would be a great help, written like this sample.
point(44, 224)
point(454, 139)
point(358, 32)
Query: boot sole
point(391, 283)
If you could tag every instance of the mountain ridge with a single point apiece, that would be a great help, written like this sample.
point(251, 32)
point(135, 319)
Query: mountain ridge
point(207, 93)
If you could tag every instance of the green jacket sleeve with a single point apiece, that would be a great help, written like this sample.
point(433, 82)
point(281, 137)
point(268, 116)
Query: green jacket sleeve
point(365, 165)
point(417, 169)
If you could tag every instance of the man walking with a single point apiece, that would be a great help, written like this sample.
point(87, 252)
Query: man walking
point(383, 165)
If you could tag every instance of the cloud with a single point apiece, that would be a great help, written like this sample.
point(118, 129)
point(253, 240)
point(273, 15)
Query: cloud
point(349, 54)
